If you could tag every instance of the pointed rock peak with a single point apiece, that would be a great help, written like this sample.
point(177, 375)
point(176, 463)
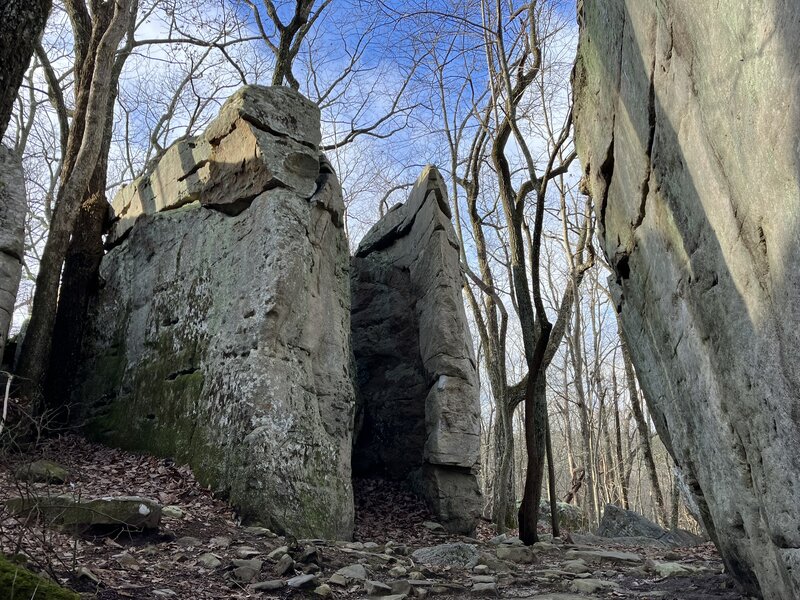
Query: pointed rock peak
point(396, 223)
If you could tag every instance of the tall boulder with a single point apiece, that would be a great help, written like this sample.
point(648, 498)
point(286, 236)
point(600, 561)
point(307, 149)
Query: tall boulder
point(687, 121)
point(13, 206)
point(418, 408)
point(220, 334)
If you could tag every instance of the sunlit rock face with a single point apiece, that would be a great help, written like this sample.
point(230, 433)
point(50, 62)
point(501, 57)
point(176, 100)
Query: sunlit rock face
point(418, 409)
point(687, 120)
point(220, 335)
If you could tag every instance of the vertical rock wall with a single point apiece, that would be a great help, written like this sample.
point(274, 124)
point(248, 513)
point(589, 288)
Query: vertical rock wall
point(13, 206)
point(220, 335)
point(416, 375)
point(687, 121)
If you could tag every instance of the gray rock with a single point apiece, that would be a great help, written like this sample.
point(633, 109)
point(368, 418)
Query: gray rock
point(173, 512)
point(516, 554)
point(600, 556)
point(590, 586)
point(188, 541)
point(576, 566)
point(228, 319)
point(284, 565)
point(484, 589)
point(209, 561)
point(13, 208)
point(323, 591)
point(303, 581)
point(618, 522)
point(269, 586)
point(42, 471)
point(697, 199)
point(670, 569)
point(417, 384)
point(356, 571)
point(456, 554)
point(377, 588)
point(70, 512)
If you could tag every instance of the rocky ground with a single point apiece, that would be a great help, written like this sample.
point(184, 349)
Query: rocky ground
point(202, 551)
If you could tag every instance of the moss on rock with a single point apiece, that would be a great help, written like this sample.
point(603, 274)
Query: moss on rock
point(17, 583)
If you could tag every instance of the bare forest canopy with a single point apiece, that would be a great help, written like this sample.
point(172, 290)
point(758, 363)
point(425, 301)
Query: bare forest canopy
point(97, 95)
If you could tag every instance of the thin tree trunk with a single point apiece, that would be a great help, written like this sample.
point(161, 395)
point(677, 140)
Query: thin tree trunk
point(551, 482)
point(644, 432)
point(35, 354)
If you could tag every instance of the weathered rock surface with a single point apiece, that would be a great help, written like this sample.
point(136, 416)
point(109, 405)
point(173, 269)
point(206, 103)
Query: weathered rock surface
point(220, 334)
point(13, 206)
point(41, 471)
point(618, 523)
point(687, 120)
point(73, 512)
point(417, 392)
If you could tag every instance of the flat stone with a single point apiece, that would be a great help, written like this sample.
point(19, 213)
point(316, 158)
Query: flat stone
point(269, 586)
point(517, 554)
point(42, 471)
point(323, 591)
point(302, 582)
point(355, 571)
point(337, 579)
point(70, 512)
point(483, 578)
point(260, 532)
point(220, 542)
point(575, 566)
point(377, 588)
point(188, 541)
point(481, 569)
point(590, 586)
point(669, 569)
point(247, 552)
point(598, 556)
point(456, 554)
point(209, 561)
point(485, 589)
point(278, 552)
point(173, 512)
point(398, 571)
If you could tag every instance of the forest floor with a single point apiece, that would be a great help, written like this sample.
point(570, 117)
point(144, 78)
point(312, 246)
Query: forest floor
point(193, 554)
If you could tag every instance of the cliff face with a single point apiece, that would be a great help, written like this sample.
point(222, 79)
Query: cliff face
point(687, 120)
point(417, 389)
point(220, 335)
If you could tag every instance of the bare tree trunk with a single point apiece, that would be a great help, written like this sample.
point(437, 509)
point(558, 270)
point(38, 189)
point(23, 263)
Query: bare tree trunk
point(644, 432)
point(504, 497)
point(85, 145)
point(623, 483)
point(551, 482)
point(21, 25)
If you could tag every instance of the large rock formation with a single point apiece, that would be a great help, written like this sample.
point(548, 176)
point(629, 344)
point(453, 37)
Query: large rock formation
point(419, 416)
point(13, 206)
point(220, 335)
point(687, 120)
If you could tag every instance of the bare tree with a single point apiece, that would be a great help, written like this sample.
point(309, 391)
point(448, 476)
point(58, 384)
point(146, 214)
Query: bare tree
point(100, 33)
